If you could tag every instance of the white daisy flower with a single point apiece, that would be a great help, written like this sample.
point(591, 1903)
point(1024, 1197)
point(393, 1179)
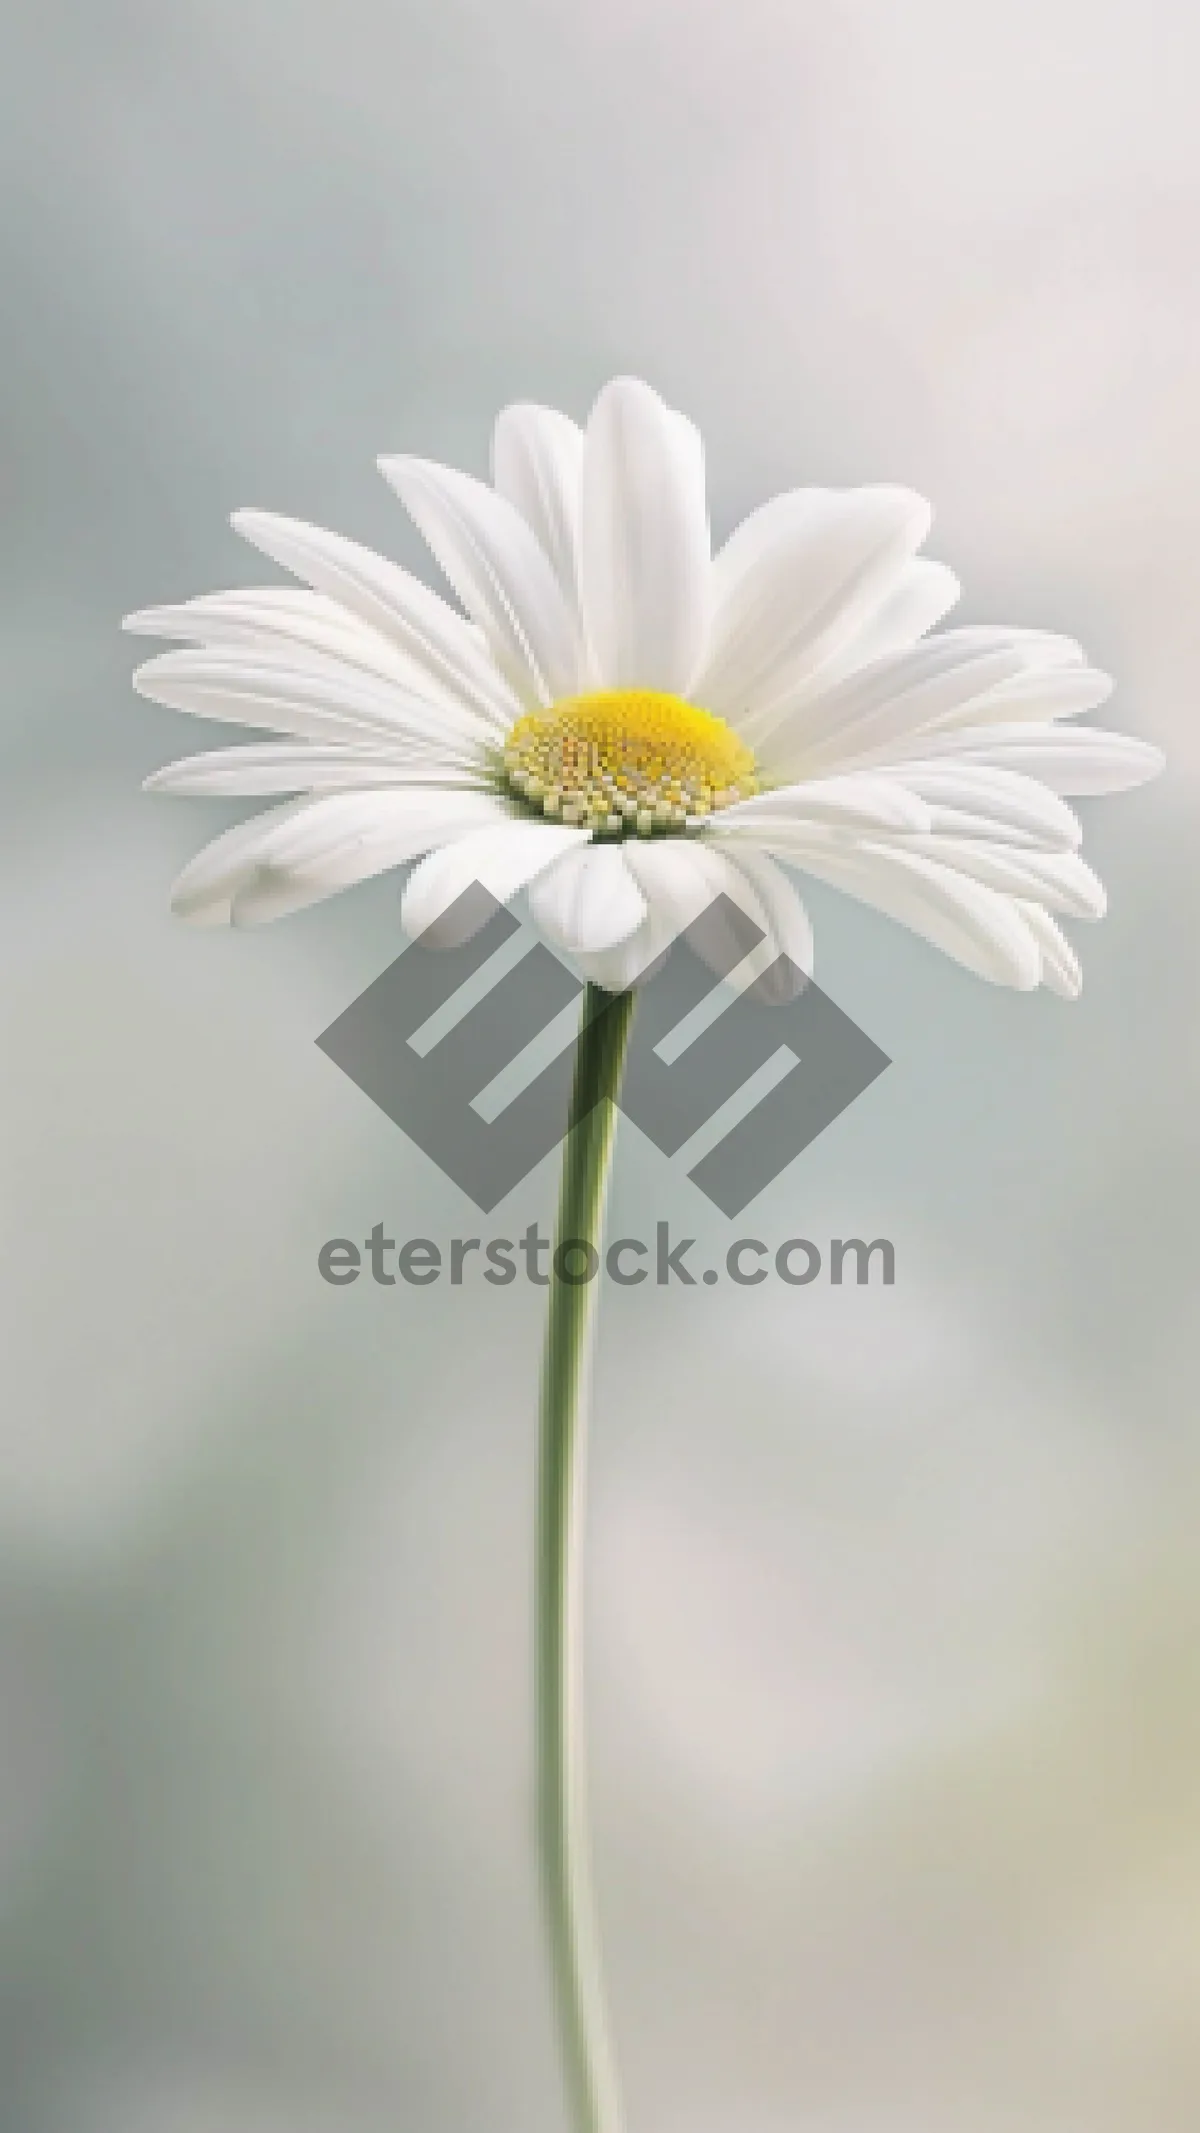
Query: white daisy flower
point(622, 724)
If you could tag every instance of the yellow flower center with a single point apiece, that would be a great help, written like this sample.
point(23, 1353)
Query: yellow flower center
point(627, 761)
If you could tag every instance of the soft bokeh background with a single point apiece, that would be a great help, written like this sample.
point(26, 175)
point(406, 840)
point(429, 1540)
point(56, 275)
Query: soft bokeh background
point(895, 1596)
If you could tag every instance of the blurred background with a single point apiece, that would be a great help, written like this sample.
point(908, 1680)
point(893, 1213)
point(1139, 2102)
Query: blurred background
point(894, 1660)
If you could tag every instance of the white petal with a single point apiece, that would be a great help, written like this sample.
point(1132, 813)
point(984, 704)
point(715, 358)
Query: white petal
point(926, 591)
point(1077, 761)
point(1003, 802)
point(333, 703)
point(344, 837)
point(502, 860)
point(260, 769)
point(268, 895)
point(874, 713)
point(500, 574)
point(391, 601)
point(851, 803)
point(1040, 694)
point(1061, 972)
point(644, 541)
point(588, 901)
point(294, 626)
point(537, 465)
point(795, 582)
point(771, 900)
point(204, 892)
point(984, 931)
point(1060, 880)
point(296, 854)
point(679, 878)
point(633, 961)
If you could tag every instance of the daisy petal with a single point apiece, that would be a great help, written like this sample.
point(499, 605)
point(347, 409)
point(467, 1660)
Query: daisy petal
point(499, 572)
point(1061, 972)
point(502, 859)
point(1001, 800)
point(334, 704)
point(296, 854)
point(852, 803)
point(771, 900)
point(537, 466)
point(796, 581)
point(628, 963)
point(261, 769)
point(644, 541)
point(1076, 761)
point(1039, 695)
point(203, 893)
point(1060, 880)
point(391, 601)
point(290, 625)
point(343, 837)
point(268, 896)
point(969, 922)
point(588, 901)
point(873, 713)
point(678, 879)
point(926, 591)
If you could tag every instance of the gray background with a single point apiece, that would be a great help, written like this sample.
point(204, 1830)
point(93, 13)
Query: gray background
point(895, 1606)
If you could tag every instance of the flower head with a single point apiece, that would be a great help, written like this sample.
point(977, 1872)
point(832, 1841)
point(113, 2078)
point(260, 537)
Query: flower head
point(621, 725)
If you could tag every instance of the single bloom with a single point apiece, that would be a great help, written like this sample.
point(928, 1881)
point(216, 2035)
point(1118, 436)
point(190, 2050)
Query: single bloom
point(619, 724)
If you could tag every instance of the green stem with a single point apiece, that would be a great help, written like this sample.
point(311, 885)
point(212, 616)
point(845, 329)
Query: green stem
point(562, 1813)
